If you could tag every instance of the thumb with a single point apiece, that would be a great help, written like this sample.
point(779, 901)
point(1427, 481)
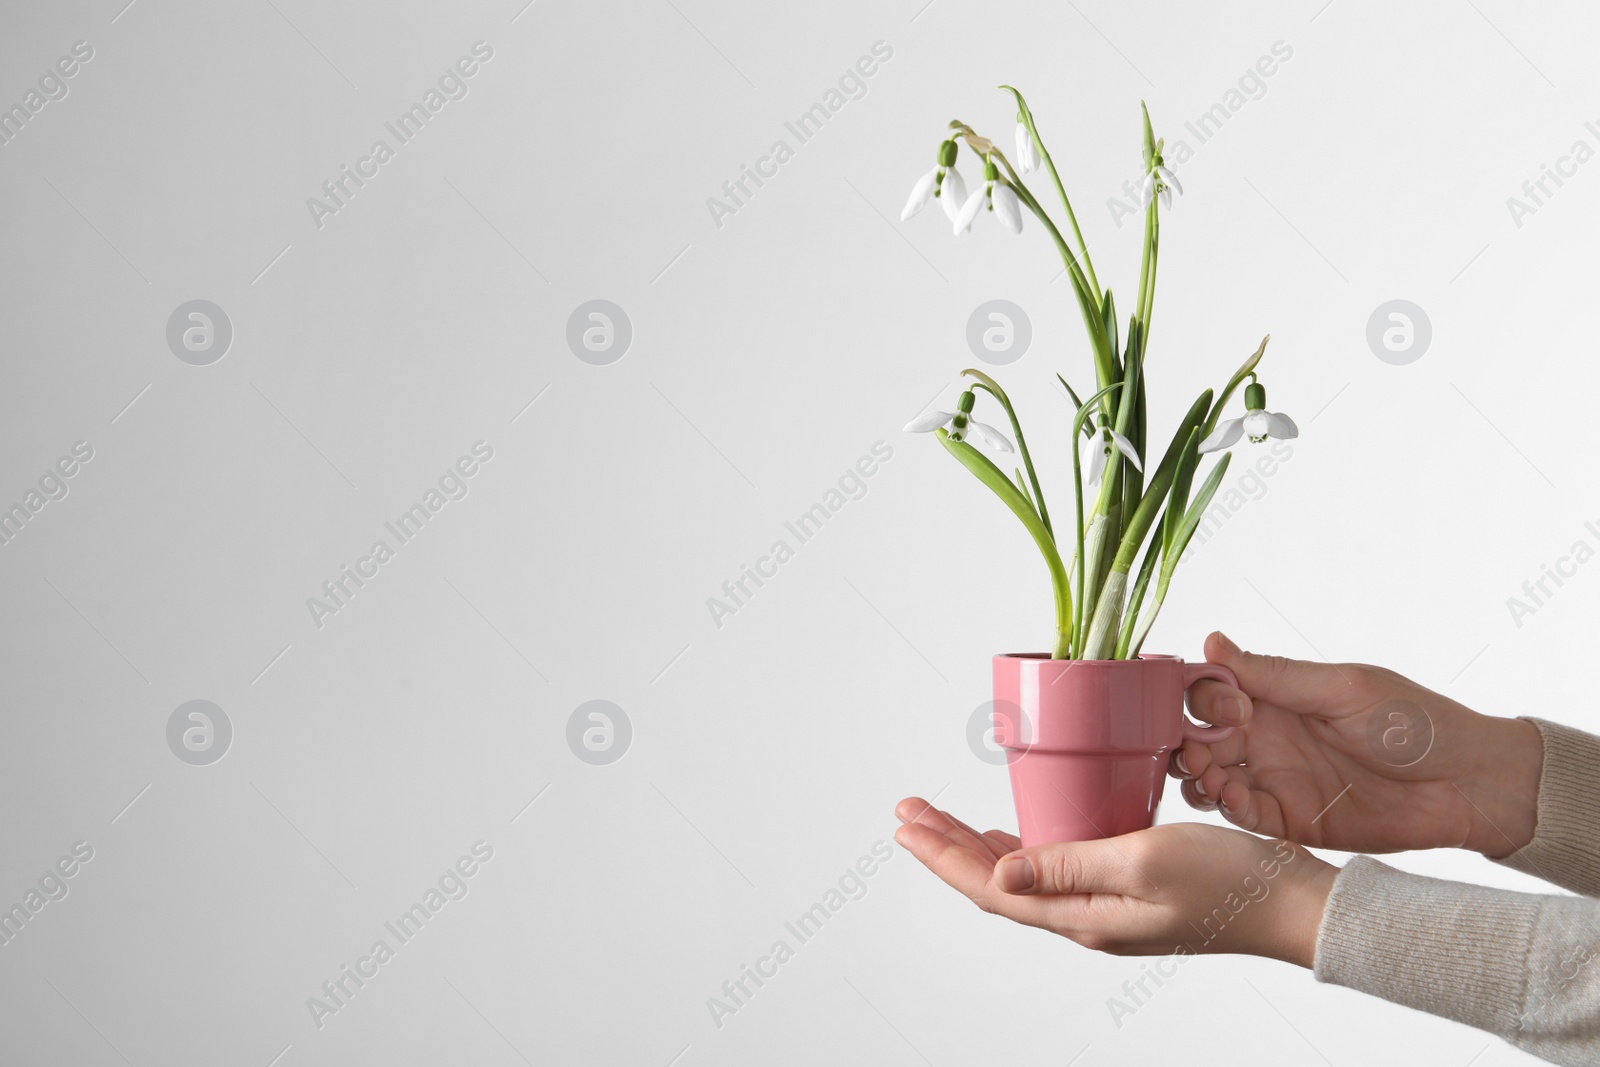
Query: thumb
point(1073, 867)
point(1292, 684)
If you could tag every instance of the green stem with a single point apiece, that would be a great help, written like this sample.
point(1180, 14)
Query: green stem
point(1055, 176)
point(1088, 305)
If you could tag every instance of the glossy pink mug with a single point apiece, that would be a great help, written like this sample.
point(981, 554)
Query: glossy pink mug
point(1087, 741)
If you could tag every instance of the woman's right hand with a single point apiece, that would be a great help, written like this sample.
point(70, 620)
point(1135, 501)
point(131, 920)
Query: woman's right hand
point(1357, 758)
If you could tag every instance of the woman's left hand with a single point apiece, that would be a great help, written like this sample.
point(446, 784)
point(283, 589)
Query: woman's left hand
point(1180, 888)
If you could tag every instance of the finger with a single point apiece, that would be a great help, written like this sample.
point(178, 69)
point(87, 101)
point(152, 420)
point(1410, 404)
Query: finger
point(959, 867)
point(984, 839)
point(1196, 797)
point(1250, 809)
point(1228, 752)
point(1218, 703)
point(972, 875)
point(920, 812)
point(1211, 782)
point(911, 807)
point(1011, 842)
point(1070, 868)
point(1293, 684)
point(1191, 759)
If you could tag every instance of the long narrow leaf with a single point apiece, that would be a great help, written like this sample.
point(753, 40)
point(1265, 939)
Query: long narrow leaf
point(1037, 499)
point(990, 475)
point(1138, 524)
point(1135, 599)
point(1022, 484)
point(1191, 520)
point(1086, 555)
point(1110, 315)
point(1170, 560)
point(1178, 499)
point(1088, 431)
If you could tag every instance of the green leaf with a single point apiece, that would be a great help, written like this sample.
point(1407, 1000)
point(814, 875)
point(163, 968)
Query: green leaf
point(1191, 520)
point(1105, 360)
point(1149, 137)
point(1109, 314)
point(1136, 598)
point(1086, 556)
point(1088, 431)
point(1138, 524)
point(1127, 406)
point(1037, 499)
point(1013, 498)
point(1022, 484)
point(1178, 499)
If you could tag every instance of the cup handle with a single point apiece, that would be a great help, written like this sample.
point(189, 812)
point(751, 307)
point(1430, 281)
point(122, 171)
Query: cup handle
point(1192, 673)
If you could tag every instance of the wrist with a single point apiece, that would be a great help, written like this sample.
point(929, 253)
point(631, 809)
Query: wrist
point(1297, 922)
point(1501, 787)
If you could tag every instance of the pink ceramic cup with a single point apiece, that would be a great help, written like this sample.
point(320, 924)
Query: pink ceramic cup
point(1087, 741)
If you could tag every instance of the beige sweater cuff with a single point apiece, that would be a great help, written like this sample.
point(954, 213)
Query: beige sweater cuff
point(1410, 939)
point(1565, 849)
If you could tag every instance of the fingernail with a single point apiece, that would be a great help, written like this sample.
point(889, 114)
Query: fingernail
point(1235, 706)
point(1227, 643)
point(1200, 787)
point(1015, 875)
point(1183, 768)
point(1223, 804)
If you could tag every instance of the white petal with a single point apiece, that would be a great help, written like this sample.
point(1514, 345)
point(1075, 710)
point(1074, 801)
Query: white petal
point(969, 211)
point(928, 422)
point(953, 194)
point(1097, 461)
point(990, 436)
point(1171, 179)
point(920, 194)
point(1125, 446)
point(1147, 191)
point(1007, 208)
point(1281, 426)
point(1166, 198)
point(1027, 151)
point(1223, 436)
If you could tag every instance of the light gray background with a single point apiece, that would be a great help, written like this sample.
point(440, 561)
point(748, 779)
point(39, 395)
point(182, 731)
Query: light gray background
point(768, 355)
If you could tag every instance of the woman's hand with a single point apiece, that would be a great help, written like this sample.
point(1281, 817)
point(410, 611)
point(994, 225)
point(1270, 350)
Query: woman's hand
point(1183, 888)
point(1358, 758)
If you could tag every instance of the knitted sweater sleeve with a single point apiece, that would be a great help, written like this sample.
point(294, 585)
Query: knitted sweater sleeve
point(1523, 966)
point(1565, 849)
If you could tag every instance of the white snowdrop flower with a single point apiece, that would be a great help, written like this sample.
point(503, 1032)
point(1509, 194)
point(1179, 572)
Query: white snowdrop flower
point(1028, 158)
point(996, 195)
point(943, 183)
point(1257, 423)
point(1160, 181)
point(1106, 442)
point(961, 423)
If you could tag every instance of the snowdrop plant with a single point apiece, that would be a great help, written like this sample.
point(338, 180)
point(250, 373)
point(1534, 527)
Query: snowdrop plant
point(1104, 606)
